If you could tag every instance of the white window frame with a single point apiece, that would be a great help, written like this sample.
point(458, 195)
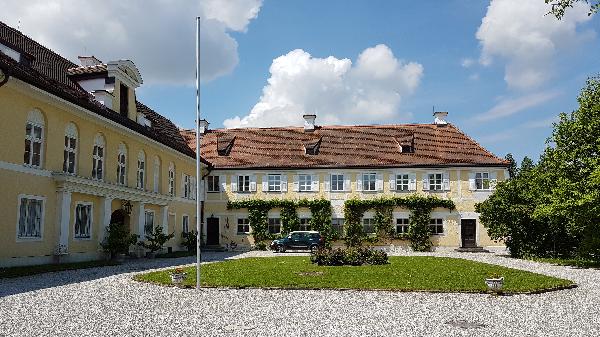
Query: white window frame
point(432, 176)
point(35, 119)
point(305, 182)
point(185, 227)
point(304, 224)
point(211, 186)
point(269, 225)
point(70, 149)
point(371, 223)
point(402, 182)
point(171, 179)
point(243, 183)
point(122, 165)
point(146, 212)
point(98, 160)
point(443, 224)
point(245, 224)
point(273, 186)
point(335, 222)
point(482, 179)
point(332, 184)
point(90, 220)
point(187, 187)
point(364, 181)
point(405, 224)
point(141, 171)
point(42, 218)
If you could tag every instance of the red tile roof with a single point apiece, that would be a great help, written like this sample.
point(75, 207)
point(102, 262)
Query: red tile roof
point(344, 146)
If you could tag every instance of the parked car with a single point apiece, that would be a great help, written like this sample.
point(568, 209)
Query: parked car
point(299, 240)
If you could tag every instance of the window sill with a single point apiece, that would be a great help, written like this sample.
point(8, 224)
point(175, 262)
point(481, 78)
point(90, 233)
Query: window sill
point(244, 192)
point(241, 234)
point(29, 239)
point(214, 192)
point(82, 239)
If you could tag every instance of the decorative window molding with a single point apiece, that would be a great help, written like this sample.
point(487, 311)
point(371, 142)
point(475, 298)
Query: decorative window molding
point(83, 219)
point(141, 171)
point(30, 217)
point(122, 165)
point(34, 139)
point(70, 149)
point(98, 155)
point(171, 179)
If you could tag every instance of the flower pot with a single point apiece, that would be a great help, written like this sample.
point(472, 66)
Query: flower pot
point(177, 278)
point(495, 284)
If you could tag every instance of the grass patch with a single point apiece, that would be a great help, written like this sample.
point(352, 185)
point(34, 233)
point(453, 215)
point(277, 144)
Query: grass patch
point(171, 255)
point(413, 273)
point(48, 268)
point(580, 263)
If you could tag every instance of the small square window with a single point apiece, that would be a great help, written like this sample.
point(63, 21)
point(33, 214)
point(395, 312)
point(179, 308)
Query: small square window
point(243, 183)
point(243, 226)
point(368, 226)
point(305, 182)
point(304, 224)
point(213, 184)
point(337, 224)
point(402, 225)
point(369, 181)
point(436, 181)
point(402, 182)
point(436, 226)
point(337, 182)
point(274, 182)
point(274, 225)
point(482, 180)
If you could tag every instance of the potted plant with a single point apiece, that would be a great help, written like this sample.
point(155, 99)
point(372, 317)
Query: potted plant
point(155, 241)
point(494, 283)
point(118, 240)
point(177, 276)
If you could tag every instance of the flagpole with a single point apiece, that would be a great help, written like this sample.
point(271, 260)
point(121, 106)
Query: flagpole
point(198, 171)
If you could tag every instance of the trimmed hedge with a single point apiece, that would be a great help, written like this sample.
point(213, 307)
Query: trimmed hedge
point(355, 256)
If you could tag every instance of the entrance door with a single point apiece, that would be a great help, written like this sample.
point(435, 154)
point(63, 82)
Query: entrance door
point(212, 231)
point(467, 232)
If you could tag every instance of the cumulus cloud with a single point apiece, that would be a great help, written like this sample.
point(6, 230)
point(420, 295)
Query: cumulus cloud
point(519, 33)
point(337, 90)
point(157, 35)
point(467, 62)
point(508, 107)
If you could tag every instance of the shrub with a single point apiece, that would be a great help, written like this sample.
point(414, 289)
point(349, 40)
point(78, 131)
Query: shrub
point(118, 239)
point(354, 256)
point(156, 239)
point(190, 240)
point(260, 246)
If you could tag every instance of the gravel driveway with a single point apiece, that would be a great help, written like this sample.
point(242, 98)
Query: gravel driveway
point(107, 302)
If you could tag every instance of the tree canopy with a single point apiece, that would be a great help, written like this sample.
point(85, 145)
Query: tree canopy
point(559, 7)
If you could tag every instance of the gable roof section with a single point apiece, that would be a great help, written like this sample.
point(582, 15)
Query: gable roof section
point(51, 72)
point(347, 146)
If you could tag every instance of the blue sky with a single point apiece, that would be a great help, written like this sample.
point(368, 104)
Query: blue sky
point(503, 86)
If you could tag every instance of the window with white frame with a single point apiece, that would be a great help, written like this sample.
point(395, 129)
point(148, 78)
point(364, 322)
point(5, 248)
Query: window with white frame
point(402, 182)
point(122, 165)
point(305, 182)
point(368, 225)
point(436, 226)
point(274, 225)
point(171, 179)
point(214, 185)
point(83, 220)
point(436, 181)
point(304, 224)
point(149, 222)
point(402, 225)
point(482, 181)
point(185, 223)
point(70, 149)
point(243, 183)
point(187, 186)
point(337, 224)
point(34, 139)
point(156, 172)
point(369, 181)
point(141, 170)
point(98, 158)
point(337, 182)
point(274, 182)
point(31, 216)
point(243, 226)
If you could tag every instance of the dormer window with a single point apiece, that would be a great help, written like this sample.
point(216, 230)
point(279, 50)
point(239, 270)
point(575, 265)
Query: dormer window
point(406, 148)
point(123, 100)
point(312, 147)
point(224, 145)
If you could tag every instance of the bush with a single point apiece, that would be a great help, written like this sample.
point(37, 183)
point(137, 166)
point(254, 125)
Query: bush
point(190, 240)
point(260, 246)
point(118, 239)
point(156, 239)
point(354, 256)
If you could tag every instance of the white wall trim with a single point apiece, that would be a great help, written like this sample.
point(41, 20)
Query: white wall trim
point(21, 168)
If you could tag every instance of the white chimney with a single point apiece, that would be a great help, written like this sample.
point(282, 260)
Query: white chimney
point(203, 126)
point(88, 61)
point(440, 117)
point(309, 122)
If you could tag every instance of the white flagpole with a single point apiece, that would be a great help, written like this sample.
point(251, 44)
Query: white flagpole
point(198, 171)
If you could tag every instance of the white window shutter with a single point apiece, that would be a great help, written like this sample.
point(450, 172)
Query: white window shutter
point(359, 183)
point(296, 183)
point(327, 182)
point(315, 183)
point(412, 181)
point(472, 185)
point(379, 182)
point(426, 182)
point(223, 181)
point(347, 183)
point(265, 183)
point(446, 181)
point(234, 183)
point(392, 181)
point(193, 188)
point(253, 183)
point(183, 185)
point(284, 186)
point(493, 180)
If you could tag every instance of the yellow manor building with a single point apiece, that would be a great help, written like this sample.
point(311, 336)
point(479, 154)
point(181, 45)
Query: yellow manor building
point(79, 151)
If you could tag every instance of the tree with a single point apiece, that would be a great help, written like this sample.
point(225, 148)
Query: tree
point(512, 166)
point(118, 239)
point(156, 239)
point(559, 7)
point(526, 165)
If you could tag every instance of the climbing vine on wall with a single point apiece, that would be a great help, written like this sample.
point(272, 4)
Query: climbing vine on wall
point(418, 231)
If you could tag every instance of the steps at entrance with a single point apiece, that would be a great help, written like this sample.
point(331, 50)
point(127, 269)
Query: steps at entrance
point(212, 248)
point(472, 250)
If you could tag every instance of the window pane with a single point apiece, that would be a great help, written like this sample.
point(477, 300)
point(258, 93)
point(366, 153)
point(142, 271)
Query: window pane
point(37, 132)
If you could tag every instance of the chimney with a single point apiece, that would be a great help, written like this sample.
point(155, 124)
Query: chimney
point(309, 122)
point(440, 117)
point(88, 61)
point(203, 126)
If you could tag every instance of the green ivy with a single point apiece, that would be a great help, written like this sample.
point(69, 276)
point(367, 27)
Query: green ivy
point(418, 230)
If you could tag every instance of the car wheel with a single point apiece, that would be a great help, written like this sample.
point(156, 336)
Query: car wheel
point(281, 248)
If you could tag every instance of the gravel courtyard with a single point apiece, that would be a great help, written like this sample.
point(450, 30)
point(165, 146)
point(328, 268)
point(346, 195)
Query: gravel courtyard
point(107, 302)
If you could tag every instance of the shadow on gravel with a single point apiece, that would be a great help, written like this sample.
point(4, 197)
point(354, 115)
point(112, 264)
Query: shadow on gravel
point(17, 285)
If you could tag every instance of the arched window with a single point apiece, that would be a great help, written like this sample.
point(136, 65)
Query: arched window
point(98, 157)
point(171, 179)
point(156, 172)
point(34, 139)
point(70, 150)
point(141, 170)
point(122, 165)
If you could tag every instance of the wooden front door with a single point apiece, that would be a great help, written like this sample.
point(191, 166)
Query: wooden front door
point(212, 231)
point(467, 232)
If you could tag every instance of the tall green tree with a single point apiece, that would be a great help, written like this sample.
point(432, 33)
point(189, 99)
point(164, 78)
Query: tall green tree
point(512, 166)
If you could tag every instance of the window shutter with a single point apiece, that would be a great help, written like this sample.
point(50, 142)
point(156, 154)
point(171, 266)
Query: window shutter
point(359, 183)
point(412, 181)
point(265, 183)
point(472, 185)
point(347, 184)
point(234, 183)
point(284, 186)
point(426, 182)
point(493, 180)
point(202, 188)
point(183, 185)
point(315, 183)
point(327, 182)
point(223, 181)
point(379, 182)
point(446, 181)
point(253, 183)
point(193, 188)
point(392, 181)
point(296, 183)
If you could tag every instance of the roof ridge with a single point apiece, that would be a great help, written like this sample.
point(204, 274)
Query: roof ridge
point(476, 143)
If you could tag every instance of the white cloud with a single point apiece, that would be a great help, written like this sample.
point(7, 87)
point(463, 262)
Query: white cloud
point(520, 33)
point(157, 35)
point(543, 123)
point(336, 89)
point(467, 62)
point(508, 107)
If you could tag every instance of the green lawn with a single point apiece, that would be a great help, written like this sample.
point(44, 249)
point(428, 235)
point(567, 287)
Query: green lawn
point(415, 273)
point(47, 268)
